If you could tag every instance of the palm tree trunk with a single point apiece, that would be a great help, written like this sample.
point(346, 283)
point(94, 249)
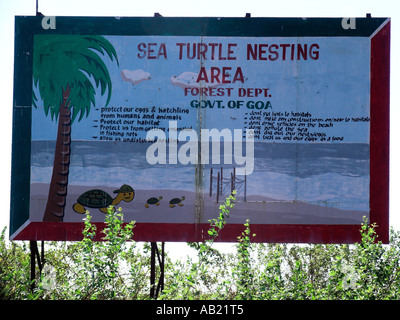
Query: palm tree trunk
point(59, 179)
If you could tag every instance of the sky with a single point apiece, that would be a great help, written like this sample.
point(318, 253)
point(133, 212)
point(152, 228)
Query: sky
point(189, 8)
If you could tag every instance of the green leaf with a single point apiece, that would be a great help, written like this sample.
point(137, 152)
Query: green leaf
point(71, 61)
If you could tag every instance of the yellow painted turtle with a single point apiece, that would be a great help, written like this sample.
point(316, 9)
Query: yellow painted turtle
point(100, 199)
point(153, 200)
point(176, 201)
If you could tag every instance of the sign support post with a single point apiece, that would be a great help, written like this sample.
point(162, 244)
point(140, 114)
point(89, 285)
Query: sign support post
point(36, 256)
point(154, 291)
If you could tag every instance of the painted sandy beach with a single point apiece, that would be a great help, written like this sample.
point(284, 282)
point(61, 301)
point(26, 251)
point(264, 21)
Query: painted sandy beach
point(260, 210)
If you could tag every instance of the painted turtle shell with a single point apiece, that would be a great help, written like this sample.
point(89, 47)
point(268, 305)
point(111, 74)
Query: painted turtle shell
point(153, 200)
point(95, 198)
point(176, 200)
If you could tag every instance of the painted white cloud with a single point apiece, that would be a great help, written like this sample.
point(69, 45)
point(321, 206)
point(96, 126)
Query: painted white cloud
point(188, 80)
point(135, 76)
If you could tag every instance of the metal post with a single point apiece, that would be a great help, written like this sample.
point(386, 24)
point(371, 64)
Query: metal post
point(154, 291)
point(33, 246)
point(36, 256)
point(245, 186)
point(211, 178)
point(218, 187)
point(42, 256)
point(153, 269)
point(222, 180)
point(160, 285)
point(234, 179)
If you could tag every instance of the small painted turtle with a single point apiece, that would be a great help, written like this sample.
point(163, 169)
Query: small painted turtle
point(153, 200)
point(176, 201)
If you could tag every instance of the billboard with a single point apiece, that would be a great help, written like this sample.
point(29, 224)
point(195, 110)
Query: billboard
point(164, 117)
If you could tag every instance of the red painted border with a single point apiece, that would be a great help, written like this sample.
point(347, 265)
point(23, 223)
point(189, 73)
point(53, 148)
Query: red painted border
point(186, 232)
point(379, 187)
point(379, 137)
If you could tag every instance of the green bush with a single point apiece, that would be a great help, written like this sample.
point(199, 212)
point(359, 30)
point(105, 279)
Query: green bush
point(14, 270)
point(119, 268)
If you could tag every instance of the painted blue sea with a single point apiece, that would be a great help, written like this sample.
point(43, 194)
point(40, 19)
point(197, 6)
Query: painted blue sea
point(329, 175)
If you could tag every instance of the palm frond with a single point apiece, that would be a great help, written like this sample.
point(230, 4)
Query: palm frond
point(98, 43)
point(72, 61)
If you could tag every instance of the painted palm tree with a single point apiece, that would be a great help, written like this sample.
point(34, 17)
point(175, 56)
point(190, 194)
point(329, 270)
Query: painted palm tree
point(65, 70)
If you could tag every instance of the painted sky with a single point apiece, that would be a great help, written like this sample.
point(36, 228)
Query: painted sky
point(334, 85)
